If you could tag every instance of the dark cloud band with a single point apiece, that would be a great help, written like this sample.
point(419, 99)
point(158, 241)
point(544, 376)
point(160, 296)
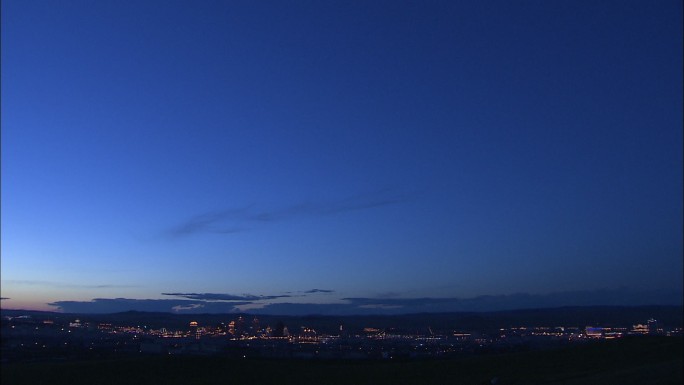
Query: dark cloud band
point(225, 297)
point(227, 303)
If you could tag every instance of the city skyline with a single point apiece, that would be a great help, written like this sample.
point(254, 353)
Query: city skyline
point(341, 157)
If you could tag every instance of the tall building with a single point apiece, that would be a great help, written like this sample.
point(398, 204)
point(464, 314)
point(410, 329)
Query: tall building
point(194, 330)
point(653, 326)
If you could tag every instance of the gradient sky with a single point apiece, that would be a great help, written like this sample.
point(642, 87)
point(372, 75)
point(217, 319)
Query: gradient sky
point(366, 149)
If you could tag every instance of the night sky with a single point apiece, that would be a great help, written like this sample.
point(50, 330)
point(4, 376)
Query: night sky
point(341, 156)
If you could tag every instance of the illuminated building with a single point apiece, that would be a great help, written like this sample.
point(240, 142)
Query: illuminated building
point(593, 332)
point(652, 327)
point(194, 330)
point(461, 336)
point(105, 326)
point(308, 333)
point(640, 329)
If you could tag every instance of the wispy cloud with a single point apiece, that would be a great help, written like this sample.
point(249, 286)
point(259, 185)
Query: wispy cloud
point(229, 221)
point(211, 222)
point(190, 307)
point(225, 297)
point(227, 303)
point(65, 285)
point(117, 305)
point(3, 298)
point(612, 297)
point(312, 291)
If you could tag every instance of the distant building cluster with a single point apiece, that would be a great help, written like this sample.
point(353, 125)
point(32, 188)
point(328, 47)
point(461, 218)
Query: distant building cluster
point(651, 327)
point(24, 336)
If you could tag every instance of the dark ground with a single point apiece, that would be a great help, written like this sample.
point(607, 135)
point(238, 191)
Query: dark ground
point(639, 360)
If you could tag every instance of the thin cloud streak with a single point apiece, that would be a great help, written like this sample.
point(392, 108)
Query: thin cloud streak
point(117, 305)
point(225, 297)
point(206, 222)
point(226, 303)
point(65, 285)
point(231, 221)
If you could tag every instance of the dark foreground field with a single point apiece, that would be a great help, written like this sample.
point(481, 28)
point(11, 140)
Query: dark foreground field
point(627, 361)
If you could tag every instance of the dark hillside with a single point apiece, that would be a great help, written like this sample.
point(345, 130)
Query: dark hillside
point(645, 360)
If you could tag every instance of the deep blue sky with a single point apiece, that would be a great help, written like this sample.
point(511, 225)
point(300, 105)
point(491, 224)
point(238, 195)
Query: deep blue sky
point(382, 149)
